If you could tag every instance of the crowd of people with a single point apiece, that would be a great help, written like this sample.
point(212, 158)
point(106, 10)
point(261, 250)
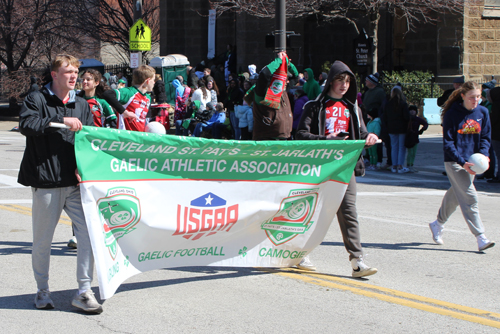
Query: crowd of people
point(276, 103)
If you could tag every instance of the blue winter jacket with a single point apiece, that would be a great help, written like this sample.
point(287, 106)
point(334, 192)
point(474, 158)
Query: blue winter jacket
point(465, 132)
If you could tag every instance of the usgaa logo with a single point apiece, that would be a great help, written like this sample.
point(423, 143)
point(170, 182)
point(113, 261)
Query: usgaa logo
point(119, 211)
point(293, 218)
point(207, 215)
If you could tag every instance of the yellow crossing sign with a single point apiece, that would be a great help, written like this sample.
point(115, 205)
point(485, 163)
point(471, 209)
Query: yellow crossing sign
point(140, 37)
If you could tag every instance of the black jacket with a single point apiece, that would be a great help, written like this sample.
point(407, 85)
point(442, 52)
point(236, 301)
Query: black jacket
point(494, 97)
point(396, 117)
point(49, 158)
point(159, 92)
point(312, 122)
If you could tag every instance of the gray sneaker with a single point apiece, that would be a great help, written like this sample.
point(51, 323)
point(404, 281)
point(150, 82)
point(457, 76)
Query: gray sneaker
point(87, 302)
point(360, 269)
point(306, 264)
point(43, 301)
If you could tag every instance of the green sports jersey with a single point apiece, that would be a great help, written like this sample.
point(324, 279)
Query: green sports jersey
point(134, 101)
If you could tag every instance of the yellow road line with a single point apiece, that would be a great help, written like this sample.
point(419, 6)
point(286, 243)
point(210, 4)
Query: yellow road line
point(394, 296)
point(27, 211)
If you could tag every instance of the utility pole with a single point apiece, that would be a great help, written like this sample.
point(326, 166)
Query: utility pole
point(280, 32)
point(138, 15)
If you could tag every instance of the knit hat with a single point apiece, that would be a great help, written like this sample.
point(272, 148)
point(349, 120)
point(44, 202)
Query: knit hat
point(210, 106)
point(398, 86)
point(121, 81)
point(374, 78)
point(252, 69)
point(489, 85)
point(459, 80)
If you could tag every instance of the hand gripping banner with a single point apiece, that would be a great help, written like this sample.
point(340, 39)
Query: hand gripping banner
point(159, 201)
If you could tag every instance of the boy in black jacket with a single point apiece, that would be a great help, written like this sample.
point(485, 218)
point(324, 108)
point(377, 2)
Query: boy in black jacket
point(335, 115)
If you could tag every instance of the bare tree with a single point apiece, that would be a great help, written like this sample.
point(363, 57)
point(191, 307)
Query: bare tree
point(413, 11)
point(109, 21)
point(31, 32)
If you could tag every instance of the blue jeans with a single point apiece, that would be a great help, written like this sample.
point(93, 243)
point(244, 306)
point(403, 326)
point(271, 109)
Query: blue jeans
point(200, 127)
point(235, 122)
point(398, 149)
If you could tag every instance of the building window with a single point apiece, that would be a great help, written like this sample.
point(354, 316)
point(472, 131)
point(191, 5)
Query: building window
point(491, 8)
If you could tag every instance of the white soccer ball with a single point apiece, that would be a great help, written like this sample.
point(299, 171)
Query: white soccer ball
point(480, 162)
point(156, 127)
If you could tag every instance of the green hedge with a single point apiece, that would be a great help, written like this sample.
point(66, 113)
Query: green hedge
point(417, 85)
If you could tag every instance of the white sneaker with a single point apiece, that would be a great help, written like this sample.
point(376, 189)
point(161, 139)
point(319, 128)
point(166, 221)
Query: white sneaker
point(87, 302)
point(394, 170)
point(379, 165)
point(437, 231)
point(306, 264)
point(484, 243)
point(43, 300)
point(360, 269)
point(403, 170)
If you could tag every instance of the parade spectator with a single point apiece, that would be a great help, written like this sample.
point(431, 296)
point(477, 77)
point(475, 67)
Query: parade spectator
point(220, 81)
point(234, 97)
point(213, 89)
point(373, 99)
point(230, 62)
point(218, 116)
point(490, 172)
point(318, 123)
point(374, 126)
point(159, 90)
point(120, 76)
point(192, 78)
point(457, 82)
point(49, 167)
point(182, 93)
point(493, 96)
point(395, 118)
point(322, 80)
point(311, 86)
point(466, 130)
point(272, 114)
point(222, 130)
point(417, 126)
point(202, 94)
point(33, 87)
point(244, 114)
point(300, 99)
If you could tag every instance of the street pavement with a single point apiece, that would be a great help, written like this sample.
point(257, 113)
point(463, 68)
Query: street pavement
point(421, 287)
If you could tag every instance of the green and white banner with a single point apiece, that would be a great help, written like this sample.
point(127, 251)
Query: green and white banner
point(158, 201)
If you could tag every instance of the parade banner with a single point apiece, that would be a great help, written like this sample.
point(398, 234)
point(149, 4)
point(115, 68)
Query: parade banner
point(160, 201)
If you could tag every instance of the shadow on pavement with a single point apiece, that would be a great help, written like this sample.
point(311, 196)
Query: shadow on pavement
point(19, 247)
point(403, 246)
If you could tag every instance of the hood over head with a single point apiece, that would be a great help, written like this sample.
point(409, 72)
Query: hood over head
point(337, 68)
point(310, 74)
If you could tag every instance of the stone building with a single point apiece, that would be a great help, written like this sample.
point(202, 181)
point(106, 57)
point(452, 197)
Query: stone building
point(465, 45)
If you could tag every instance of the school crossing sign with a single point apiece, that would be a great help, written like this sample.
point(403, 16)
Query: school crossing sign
point(140, 37)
